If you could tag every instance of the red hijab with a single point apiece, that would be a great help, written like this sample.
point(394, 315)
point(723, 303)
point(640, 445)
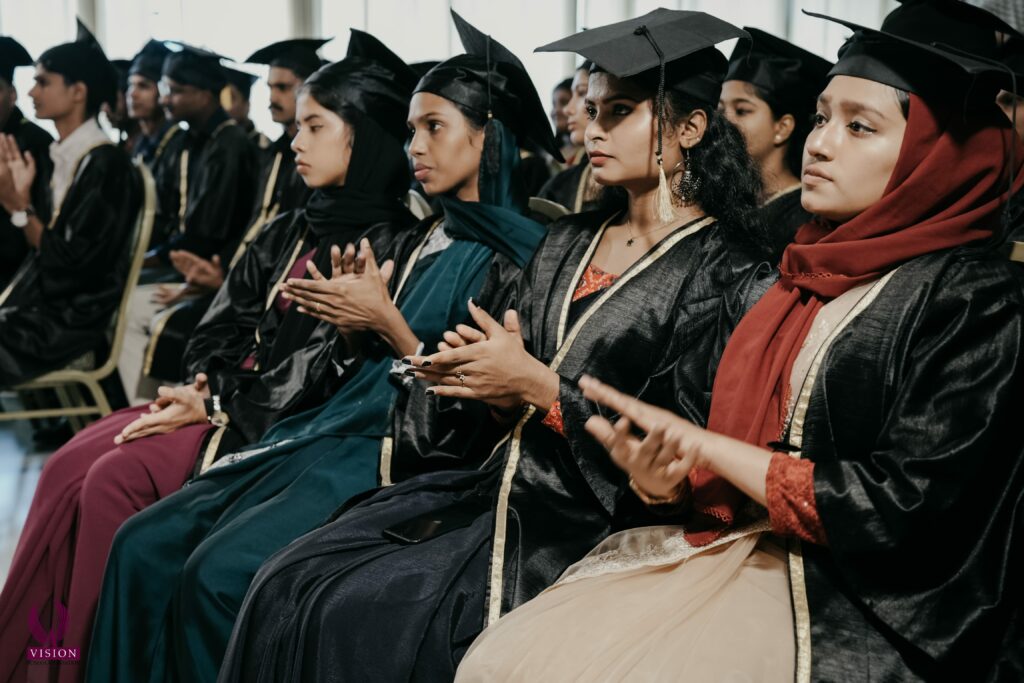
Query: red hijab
point(947, 189)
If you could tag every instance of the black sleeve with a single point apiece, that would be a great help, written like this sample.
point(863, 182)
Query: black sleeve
point(220, 197)
point(226, 334)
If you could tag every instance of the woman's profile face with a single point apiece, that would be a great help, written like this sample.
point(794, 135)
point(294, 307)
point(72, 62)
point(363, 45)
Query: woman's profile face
point(576, 110)
point(622, 133)
point(322, 145)
point(852, 150)
point(445, 148)
point(753, 117)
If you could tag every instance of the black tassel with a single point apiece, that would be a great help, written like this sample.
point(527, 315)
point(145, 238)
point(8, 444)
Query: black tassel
point(491, 156)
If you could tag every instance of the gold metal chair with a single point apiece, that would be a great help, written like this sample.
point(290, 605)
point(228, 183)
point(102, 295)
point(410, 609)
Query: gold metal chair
point(67, 381)
point(548, 208)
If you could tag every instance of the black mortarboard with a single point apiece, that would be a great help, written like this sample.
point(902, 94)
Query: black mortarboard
point(121, 66)
point(683, 41)
point(1011, 54)
point(149, 62)
point(791, 76)
point(12, 55)
point(372, 80)
point(83, 61)
point(241, 80)
point(298, 54)
point(491, 80)
point(194, 66)
point(421, 68)
point(891, 55)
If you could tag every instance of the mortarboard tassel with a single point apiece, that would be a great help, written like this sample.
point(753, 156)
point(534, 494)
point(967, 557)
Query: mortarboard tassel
point(663, 197)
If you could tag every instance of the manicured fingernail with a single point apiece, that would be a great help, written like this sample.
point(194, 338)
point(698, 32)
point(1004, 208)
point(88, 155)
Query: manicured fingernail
point(430, 392)
point(406, 361)
point(426, 364)
point(409, 373)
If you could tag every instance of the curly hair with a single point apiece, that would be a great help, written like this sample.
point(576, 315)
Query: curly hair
point(728, 183)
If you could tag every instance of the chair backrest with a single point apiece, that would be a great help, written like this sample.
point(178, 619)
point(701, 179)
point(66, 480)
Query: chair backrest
point(548, 208)
point(141, 234)
point(417, 205)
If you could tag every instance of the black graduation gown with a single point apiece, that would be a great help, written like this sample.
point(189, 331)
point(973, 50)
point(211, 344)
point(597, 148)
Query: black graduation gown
point(568, 188)
point(220, 186)
point(913, 424)
point(280, 190)
point(31, 138)
point(781, 217)
point(60, 302)
point(292, 372)
point(346, 603)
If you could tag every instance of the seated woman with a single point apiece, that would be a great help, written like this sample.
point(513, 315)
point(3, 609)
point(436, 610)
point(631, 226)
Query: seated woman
point(399, 585)
point(574, 188)
point(871, 401)
point(256, 360)
point(769, 95)
point(179, 570)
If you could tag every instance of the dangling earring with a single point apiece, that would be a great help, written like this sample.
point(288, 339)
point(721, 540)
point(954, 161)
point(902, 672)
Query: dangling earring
point(690, 184)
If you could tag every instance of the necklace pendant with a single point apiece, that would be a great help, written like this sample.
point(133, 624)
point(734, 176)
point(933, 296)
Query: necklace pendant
point(629, 242)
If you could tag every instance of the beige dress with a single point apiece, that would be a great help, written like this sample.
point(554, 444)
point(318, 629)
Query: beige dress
point(645, 605)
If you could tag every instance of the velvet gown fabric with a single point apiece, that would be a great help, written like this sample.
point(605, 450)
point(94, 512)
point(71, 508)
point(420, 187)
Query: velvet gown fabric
point(345, 603)
point(61, 300)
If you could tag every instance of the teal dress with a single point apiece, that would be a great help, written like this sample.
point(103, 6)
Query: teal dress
point(178, 571)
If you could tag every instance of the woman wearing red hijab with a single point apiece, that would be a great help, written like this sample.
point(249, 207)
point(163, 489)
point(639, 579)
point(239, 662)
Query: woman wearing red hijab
point(854, 509)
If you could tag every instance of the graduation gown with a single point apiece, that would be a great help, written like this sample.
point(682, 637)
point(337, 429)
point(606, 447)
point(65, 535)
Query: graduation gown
point(348, 602)
point(913, 423)
point(209, 539)
point(569, 187)
point(30, 138)
point(280, 190)
point(219, 181)
point(781, 216)
point(60, 302)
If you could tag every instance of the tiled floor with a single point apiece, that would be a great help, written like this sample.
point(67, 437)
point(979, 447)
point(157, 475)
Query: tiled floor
point(20, 465)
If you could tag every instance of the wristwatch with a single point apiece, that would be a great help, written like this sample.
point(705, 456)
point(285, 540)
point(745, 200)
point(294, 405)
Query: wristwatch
point(19, 219)
point(214, 414)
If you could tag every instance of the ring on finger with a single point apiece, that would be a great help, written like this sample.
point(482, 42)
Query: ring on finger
point(461, 376)
point(317, 306)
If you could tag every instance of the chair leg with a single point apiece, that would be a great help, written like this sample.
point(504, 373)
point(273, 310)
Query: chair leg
point(99, 397)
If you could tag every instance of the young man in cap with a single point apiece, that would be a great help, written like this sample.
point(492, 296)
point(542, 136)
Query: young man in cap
point(279, 189)
point(213, 181)
point(58, 306)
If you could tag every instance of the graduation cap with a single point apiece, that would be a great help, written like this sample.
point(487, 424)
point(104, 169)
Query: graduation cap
point(666, 50)
point(194, 66)
point(936, 64)
point(241, 80)
point(491, 80)
point(12, 55)
point(791, 76)
point(121, 66)
point(83, 61)
point(371, 79)
point(421, 68)
point(298, 54)
point(149, 61)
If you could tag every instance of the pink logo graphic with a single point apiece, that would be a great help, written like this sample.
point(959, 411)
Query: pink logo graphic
point(50, 639)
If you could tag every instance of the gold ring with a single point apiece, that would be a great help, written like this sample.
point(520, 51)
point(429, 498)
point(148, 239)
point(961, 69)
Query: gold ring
point(317, 306)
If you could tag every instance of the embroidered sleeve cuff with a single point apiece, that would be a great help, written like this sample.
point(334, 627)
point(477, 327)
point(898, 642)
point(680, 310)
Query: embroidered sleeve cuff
point(553, 420)
point(790, 493)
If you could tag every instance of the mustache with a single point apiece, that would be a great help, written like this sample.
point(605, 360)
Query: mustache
point(276, 107)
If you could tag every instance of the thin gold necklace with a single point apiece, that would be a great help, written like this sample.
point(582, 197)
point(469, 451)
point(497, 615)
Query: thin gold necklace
point(632, 237)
